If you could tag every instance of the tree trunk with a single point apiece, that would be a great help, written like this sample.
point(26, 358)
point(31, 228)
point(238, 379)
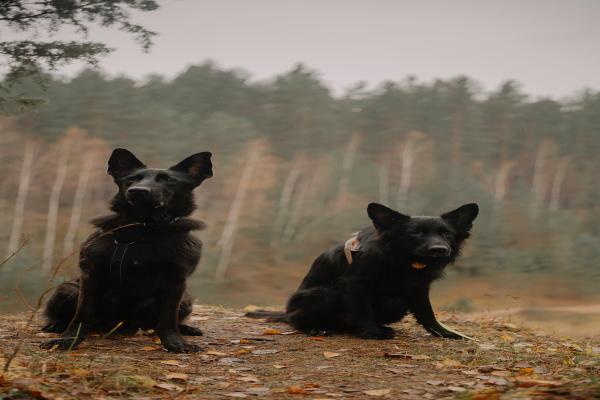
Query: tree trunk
point(285, 201)
point(384, 183)
point(406, 166)
point(53, 205)
point(538, 183)
point(559, 178)
point(23, 190)
point(500, 190)
point(346, 171)
point(77, 208)
point(231, 225)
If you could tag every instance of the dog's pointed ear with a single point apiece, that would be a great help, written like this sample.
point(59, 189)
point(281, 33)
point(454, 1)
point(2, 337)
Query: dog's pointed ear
point(463, 216)
point(197, 166)
point(384, 217)
point(121, 162)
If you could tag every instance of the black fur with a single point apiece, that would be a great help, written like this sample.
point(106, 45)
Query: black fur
point(134, 267)
point(381, 285)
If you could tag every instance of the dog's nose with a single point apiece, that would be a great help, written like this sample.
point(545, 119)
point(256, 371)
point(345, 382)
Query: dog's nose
point(138, 191)
point(439, 250)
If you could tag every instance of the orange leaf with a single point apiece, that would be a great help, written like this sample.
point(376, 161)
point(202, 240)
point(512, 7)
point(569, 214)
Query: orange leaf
point(271, 332)
point(150, 348)
point(296, 390)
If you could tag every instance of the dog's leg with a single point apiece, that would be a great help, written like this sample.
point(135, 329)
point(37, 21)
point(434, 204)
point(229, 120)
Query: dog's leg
point(60, 308)
point(420, 306)
point(81, 324)
point(169, 300)
point(362, 316)
point(185, 309)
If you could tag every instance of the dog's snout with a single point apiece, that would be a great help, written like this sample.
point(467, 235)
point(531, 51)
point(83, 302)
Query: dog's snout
point(439, 250)
point(138, 191)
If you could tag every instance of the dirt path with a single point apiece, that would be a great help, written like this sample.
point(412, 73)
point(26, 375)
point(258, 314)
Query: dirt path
point(246, 358)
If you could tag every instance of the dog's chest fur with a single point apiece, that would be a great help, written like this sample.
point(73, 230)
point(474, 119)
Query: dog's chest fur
point(143, 256)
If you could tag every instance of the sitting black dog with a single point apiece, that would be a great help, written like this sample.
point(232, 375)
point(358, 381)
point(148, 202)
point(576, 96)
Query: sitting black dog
point(379, 275)
point(134, 267)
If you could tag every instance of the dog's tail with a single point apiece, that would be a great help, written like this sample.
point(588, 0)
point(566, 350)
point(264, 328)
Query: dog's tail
point(270, 316)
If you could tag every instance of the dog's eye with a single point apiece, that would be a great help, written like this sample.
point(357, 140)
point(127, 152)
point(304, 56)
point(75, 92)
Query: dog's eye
point(134, 178)
point(165, 178)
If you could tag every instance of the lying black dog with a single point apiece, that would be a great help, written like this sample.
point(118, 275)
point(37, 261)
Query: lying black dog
point(134, 267)
point(379, 275)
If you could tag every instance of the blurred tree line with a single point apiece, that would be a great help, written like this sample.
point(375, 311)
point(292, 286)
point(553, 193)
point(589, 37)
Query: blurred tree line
point(421, 147)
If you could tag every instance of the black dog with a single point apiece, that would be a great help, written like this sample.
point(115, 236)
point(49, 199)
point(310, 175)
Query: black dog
point(379, 276)
point(134, 267)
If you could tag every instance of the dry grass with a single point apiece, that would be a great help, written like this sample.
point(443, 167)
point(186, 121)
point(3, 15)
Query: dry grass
point(241, 360)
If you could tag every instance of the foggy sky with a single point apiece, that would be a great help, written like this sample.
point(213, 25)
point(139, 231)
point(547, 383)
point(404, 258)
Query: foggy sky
point(551, 46)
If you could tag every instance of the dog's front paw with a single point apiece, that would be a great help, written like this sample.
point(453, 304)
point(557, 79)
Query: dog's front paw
point(449, 334)
point(383, 333)
point(176, 344)
point(54, 327)
point(187, 330)
point(66, 343)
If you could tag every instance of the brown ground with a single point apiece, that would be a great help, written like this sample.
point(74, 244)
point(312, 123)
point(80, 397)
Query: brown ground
point(250, 358)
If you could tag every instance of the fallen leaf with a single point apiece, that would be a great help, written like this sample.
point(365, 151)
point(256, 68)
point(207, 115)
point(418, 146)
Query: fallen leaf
point(236, 394)
point(215, 353)
point(248, 378)
point(329, 354)
point(241, 352)
point(377, 392)
point(266, 351)
point(456, 389)
point(230, 360)
point(316, 338)
point(573, 346)
point(523, 381)
point(312, 385)
point(448, 362)
point(296, 390)
point(497, 381)
point(435, 383)
point(151, 348)
point(169, 386)
point(502, 374)
point(144, 380)
point(508, 338)
point(277, 366)
point(420, 357)
point(525, 371)
point(177, 376)
point(258, 390)
point(170, 362)
point(271, 332)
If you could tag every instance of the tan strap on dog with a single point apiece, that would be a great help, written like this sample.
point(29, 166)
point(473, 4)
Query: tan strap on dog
point(351, 245)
